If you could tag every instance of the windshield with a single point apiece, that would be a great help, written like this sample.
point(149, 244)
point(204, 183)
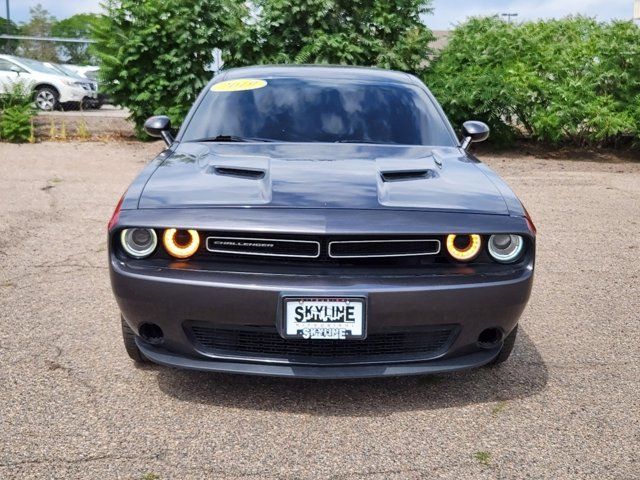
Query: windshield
point(68, 72)
point(303, 110)
point(38, 66)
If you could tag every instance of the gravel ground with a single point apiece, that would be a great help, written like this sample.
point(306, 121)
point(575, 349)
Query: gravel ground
point(74, 406)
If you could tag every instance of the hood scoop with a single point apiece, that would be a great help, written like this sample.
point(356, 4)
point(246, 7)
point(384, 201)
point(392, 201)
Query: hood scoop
point(238, 172)
point(407, 175)
point(314, 176)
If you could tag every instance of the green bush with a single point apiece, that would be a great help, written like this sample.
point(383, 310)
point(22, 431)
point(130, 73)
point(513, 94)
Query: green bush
point(571, 81)
point(373, 33)
point(154, 53)
point(16, 113)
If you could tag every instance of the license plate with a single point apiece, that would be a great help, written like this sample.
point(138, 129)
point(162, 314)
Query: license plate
point(324, 318)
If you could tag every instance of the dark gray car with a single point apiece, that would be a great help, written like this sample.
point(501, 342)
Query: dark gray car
point(319, 222)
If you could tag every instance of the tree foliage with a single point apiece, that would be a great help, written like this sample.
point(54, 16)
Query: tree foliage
point(154, 54)
point(76, 26)
point(40, 25)
point(559, 81)
point(8, 27)
point(354, 32)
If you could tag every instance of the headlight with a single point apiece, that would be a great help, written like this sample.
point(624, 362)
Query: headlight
point(139, 242)
point(75, 83)
point(464, 248)
point(506, 248)
point(181, 243)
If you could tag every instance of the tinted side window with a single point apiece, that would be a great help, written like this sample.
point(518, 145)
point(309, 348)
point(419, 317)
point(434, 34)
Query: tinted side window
point(6, 65)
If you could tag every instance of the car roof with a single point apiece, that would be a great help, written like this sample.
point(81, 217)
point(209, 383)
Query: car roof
point(13, 58)
point(319, 71)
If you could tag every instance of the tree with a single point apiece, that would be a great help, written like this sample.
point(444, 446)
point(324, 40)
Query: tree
point(155, 53)
point(77, 26)
point(39, 25)
point(8, 27)
point(383, 33)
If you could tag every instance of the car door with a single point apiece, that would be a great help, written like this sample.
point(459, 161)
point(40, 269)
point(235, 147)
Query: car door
point(10, 74)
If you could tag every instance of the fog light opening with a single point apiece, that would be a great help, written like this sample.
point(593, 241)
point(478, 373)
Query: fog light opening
point(151, 333)
point(490, 337)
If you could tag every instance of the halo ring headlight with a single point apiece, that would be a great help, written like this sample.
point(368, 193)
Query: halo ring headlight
point(464, 248)
point(505, 248)
point(138, 242)
point(183, 247)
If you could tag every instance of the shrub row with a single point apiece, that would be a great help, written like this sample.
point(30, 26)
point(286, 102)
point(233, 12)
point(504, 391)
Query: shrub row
point(155, 54)
point(572, 81)
point(16, 113)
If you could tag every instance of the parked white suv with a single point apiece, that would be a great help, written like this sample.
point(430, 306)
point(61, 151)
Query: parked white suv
point(52, 89)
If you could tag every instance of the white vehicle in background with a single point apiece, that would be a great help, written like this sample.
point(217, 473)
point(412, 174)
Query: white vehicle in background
point(89, 102)
point(90, 72)
point(52, 89)
point(85, 71)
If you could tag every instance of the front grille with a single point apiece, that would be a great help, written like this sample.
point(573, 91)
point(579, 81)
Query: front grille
point(265, 343)
point(383, 248)
point(326, 250)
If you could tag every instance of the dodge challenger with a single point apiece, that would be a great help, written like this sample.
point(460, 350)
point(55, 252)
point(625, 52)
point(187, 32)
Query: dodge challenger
point(319, 222)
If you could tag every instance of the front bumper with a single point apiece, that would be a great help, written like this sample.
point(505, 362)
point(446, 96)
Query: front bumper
point(443, 365)
point(76, 94)
point(173, 297)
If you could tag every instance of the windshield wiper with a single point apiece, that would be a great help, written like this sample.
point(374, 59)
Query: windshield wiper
point(232, 138)
point(346, 140)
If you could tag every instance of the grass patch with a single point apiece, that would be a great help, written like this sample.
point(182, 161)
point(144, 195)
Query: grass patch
point(499, 408)
point(484, 458)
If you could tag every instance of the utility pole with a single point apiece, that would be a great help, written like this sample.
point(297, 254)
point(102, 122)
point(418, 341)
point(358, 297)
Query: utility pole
point(636, 11)
point(508, 15)
point(8, 16)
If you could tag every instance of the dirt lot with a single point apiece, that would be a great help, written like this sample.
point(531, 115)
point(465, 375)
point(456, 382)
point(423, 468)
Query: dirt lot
point(72, 405)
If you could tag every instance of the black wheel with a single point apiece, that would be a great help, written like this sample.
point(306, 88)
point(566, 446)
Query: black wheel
point(130, 346)
point(507, 348)
point(46, 98)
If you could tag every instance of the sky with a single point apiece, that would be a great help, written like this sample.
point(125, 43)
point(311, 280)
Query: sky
point(447, 13)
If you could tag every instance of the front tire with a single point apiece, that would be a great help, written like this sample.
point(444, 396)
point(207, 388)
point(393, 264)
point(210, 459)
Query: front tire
point(47, 99)
point(507, 348)
point(130, 346)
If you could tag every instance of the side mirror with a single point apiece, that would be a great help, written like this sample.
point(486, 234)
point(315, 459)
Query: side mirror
point(16, 69)
point(159, 126)
point(474, 132)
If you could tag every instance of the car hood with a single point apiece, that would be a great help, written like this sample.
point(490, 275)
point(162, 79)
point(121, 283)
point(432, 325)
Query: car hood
point(321, 176)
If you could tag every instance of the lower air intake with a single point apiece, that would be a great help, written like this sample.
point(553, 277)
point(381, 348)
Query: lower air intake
point(265, 343)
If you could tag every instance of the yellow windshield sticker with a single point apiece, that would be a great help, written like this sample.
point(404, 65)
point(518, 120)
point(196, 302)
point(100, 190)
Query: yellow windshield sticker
point(239, 85)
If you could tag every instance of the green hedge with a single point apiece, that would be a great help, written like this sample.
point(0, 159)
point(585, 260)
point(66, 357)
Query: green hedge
point(154, 54)
point(16, 114)
point(571, 81)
